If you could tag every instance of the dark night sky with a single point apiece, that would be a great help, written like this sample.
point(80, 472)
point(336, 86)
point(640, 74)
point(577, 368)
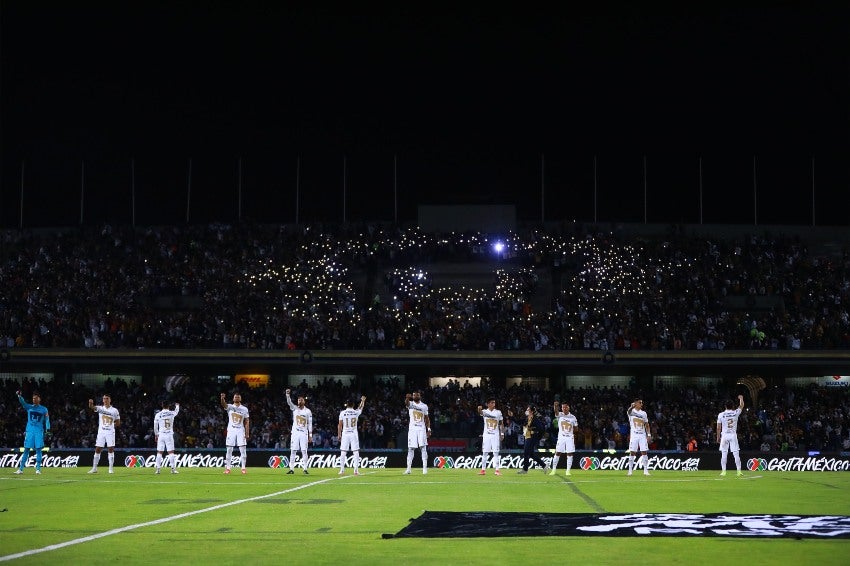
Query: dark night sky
point(467, 99)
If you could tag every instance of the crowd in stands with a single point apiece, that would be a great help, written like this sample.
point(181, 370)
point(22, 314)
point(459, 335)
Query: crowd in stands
point(781, 419)
point(285, 287)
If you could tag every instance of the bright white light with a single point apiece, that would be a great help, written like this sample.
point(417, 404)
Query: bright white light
point(498, 247)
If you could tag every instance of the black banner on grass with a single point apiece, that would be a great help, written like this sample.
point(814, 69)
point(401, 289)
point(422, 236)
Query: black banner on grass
point(434, 524)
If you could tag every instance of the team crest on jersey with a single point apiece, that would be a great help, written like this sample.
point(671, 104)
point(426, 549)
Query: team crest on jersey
point(134, 461)
point(444, 462)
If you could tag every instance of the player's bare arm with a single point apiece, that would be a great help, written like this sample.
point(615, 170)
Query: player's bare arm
point(428, 425)
point(247, 429)
point(91, 405)
point(362, 403)
point(740, 401)
point(223, 401)
point(407, 399)
point(480, 409)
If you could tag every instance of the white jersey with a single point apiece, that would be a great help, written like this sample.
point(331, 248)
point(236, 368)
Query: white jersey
point(728, 421)
point(107, 418)
point(417, 412)
point(236, 417)
point(567, 423)
point(163, 421)
point(637, 422)
point(348, 418)
point(492, 421)
point(302, 419)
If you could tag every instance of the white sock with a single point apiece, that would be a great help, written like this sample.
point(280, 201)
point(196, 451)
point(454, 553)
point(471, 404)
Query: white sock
point(631, 462)
point(95, 460)
point(158, 460)
point(484, 457)
point(356, 460)
point(343, 454)
point(723, 457)
point(496, 460)
point(555, 460)
point(409, 457)
point(228, 457)
point(243, 456)
point(111, 457)
point(737, 460)
point(424, 457)
point(569, 463)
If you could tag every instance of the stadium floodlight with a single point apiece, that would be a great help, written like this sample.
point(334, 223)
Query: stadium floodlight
point(498, 247)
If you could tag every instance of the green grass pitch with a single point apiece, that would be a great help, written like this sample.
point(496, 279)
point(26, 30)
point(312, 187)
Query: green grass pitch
point(266, 516)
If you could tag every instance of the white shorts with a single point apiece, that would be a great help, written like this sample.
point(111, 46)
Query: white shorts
point(729, 442)
point(638, 443)
point(417, 438)
point(235, 437)
point(105, 438)
point(298, 441)
point(566, 445)
point(349, 441)
point(490, 443)
point(165, 443)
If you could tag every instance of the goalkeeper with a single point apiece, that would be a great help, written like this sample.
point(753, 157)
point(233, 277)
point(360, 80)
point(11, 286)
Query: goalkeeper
point(38, 422)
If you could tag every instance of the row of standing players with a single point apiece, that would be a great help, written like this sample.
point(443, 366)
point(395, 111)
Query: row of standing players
point(419, 431)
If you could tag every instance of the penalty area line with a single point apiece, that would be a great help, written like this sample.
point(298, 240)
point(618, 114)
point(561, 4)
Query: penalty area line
point(159, 521)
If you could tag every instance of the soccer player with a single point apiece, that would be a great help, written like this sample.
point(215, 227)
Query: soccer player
point(639, 433)
point(727, 434)
point(491, 439)
point(347, 432)
point(108, 420)
point(419, 429)
point(567, 425)
point(302, 431)
point(163, 429)
point(38, 422)
point(238, 430)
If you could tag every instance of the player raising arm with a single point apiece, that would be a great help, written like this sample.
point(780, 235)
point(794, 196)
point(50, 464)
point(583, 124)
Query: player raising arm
point(419, 429)
point(567, 425)
point(38, 423)
point(727, 434)
point(238, 430)
point(302, 432)
point(347, 432)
